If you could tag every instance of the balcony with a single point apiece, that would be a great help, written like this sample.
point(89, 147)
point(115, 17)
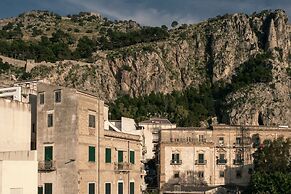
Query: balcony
point(176, 162)
point(221, 161)
point(122, 167)
point(200, 162)
point(47, 166)
point(238, 161)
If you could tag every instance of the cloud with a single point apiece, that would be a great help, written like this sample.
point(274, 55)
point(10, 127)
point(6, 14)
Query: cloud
point(146, 12)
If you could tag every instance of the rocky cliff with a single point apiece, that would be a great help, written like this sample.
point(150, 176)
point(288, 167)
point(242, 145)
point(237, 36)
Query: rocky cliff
point(192, 55)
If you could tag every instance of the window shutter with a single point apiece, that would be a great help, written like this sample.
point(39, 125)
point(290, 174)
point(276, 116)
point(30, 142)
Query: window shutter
point(132, 155)
point(131, 188)
point(91, 154)
point(108, 155)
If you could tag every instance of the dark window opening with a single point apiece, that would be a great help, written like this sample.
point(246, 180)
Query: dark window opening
point(176, 174)
point(91, 188)
point(41, 98)
point(48, 188)
point(91, 154)
point(58, 96)
point(50, 120)
point(260, 119)
point(92, 121)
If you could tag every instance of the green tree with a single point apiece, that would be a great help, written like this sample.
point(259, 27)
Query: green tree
point(174, 24)
point(272, 167)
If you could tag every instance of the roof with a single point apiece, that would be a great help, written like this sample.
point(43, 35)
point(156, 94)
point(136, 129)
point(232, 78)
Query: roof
point(156, 121)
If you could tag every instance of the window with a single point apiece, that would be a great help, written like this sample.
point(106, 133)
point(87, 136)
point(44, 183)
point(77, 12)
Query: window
point(40, 190)
point(120, 156)
point(200, 174)
point(132, 155)
point(91, 154)
point(41, 98)
point(107, 188)
point(238, 140)
point(221, 156)
point(107, 155)
point(238, 174)
point(221, 140)
point(201, 158)
point(131, 188)
point(202, 139)
point(175, 158)
point(50, 120)
point(221, 174)
point(48, 153)
point(58, 96)
point(91, 188)
point(120, 188)
point(92, 121)
point(176, 174)
point(48, 188)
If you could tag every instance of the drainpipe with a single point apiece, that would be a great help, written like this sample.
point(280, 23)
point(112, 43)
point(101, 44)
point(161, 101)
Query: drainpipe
point(128, 154)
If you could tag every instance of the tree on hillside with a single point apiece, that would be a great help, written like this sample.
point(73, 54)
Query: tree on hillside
point(272, 167)
point(174, 24)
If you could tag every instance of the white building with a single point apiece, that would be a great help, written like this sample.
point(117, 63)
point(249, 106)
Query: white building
point(150, 130)
point(18, 164)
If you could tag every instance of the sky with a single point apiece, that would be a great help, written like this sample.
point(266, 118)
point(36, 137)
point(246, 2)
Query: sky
point(146, 12)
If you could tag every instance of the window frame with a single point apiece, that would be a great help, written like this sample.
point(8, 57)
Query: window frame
point(118, 156)
point(52, 152)
point(89, 183)
point(90, 157)
point(120, 182)
point(200, 174)
point(91, 118)
point(46, 184)
point(221, 174)
point(130, 189)
point(200, 161)
point(106, 187)
point(58, 96)
point(108, 160)
point(50, 123)
point(132, 158)
point(41, 98)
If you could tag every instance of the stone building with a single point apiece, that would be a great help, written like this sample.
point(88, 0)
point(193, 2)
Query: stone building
point(219, 155)
point(15, 153)
point(150, 132)
point(76, 153)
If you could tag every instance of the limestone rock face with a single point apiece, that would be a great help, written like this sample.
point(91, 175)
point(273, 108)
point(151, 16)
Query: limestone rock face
point(206, 52)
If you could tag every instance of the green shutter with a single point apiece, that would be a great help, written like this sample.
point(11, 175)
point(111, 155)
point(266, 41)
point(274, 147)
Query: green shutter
point(120, 156)
point(107, 155)
point(107, 188)
point(40, 190)
point(131, 188)
point(91, 154)
point(120, 188)
point(48, 153)
point(201, 158)
point(91, 188)
point(132, 157)
point(48, 188)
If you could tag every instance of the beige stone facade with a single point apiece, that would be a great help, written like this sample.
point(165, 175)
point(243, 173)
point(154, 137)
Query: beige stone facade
point(71, 143)
point(213, 156)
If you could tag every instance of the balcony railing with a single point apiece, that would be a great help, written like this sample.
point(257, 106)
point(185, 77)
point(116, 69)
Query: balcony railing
point(221, 161)
point(176, 162)
point(46, 165)
point(238, 161)
point(200, 162)
point(122, 167)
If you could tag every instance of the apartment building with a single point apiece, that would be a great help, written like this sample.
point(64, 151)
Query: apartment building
point(77, 153)
point(18, 164)
point(219, 155)
point(150, 132)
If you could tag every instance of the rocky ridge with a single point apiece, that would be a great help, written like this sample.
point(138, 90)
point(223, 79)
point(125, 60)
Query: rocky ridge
point(208, 52)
